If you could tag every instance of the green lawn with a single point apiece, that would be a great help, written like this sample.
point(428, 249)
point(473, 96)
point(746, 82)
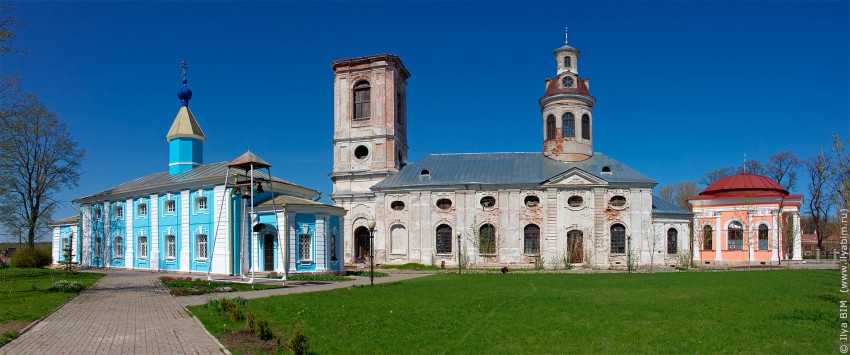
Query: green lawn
point(188, 285)
point(785, 311)
point(29, 299)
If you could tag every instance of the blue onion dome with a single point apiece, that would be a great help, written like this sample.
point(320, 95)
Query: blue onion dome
point(185, 94)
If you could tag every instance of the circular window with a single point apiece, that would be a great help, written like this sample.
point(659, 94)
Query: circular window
point(361, 152)
point(575, 201)
point(444, 203)
point(397, 205)
point(532, 201)
point(618, 201)
point(488, 201)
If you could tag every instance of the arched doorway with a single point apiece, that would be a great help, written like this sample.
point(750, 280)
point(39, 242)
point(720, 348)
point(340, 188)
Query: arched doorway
point(361, 244)
point(575, 246)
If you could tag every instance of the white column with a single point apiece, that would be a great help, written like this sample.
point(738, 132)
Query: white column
point(798, 253)
point(750, 253)
point(154, 238)
point(185, 233)
point(282, 246)
point(697, 234)
point(320, 254)
point(291, 232)
point(129, 238)
point(774, 254)
point(716, 241)
point(106, 245)
point(57, 245)
point(85, 236)
point(221, 260)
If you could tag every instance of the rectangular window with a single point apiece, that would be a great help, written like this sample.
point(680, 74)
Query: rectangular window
point(170, 206)
point(201, 240)
point(119, 247)
point(361, 101)
point(97, 213)
point(119, 212)
point(170, 247)
point(304, 244)
point(201, 203)
point(98, 247)
point(143, 247)
point(143, 209)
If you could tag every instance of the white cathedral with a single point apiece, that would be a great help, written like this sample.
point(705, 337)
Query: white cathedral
point(565, 205)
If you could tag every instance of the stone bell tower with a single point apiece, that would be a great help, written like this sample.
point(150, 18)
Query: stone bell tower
point(370, 124)
point(567, 110)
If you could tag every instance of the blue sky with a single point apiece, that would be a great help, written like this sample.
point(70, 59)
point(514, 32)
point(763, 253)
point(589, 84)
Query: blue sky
point(681, 87)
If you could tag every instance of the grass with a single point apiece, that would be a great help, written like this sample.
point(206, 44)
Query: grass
point(781, 311)
point(412, 266)
point(317, 277)
point(185, 286)
point(24, 295)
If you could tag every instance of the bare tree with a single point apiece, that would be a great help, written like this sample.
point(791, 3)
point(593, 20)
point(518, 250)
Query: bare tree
point(750, 167)
point(667, 192)
point(840, 172)
point(685, 191)
point(38, 158)
point(782, 168)
point(820, 170)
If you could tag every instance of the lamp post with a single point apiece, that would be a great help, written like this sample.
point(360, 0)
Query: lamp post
point(458, 253)
point(629, 254)
point(371, 225)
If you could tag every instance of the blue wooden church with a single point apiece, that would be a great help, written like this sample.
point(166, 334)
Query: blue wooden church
point(225, 218)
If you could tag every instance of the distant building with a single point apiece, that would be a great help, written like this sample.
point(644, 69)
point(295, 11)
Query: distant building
point(224, 218)
point(829, 245)
point(737, 221)
point(565, 204)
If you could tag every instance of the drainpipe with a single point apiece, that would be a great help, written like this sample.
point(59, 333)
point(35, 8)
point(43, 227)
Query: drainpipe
point(318, 197)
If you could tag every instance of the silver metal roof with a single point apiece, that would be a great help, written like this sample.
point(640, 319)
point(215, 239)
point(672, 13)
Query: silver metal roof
point(662, 206)
point(504, 169)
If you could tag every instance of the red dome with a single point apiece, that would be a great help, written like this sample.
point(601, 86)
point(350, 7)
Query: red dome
point(744, 185)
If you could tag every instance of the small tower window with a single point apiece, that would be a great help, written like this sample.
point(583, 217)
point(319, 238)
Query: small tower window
point(585, 126)
point(550, 127)
point(606, 169)
point(569, 125)
point(568, 62)
point(425, 173)
point(362, 93)
point(361, 152)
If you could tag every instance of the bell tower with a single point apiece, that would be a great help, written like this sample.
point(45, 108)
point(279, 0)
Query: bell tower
point(567, 110)
point(185, 138)
point(370, 124)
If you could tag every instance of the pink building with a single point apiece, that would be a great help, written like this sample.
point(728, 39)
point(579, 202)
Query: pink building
point(738, 220)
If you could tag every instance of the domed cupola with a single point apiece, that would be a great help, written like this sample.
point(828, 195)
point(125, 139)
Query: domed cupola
point(567, 110)
point(744, 185)
point(185, 138)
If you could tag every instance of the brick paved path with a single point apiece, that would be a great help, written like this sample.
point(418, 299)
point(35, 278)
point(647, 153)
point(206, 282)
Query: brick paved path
point(124, 313)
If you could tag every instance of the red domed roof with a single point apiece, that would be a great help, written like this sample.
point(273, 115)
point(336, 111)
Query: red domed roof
point(744, 185)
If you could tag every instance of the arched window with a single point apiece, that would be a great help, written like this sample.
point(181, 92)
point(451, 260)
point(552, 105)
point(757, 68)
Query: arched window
point(567, 61)
point(707, 236)
point(362, 93)
point(735, 236)
point(119, 247)
point(569, 125)
point(143, 247)
point(672, 241)
point(618, 239)
point(763, 243)
point(550, 127)
point(532, 239)
point(444, 239)
point(487, 239)
point(585, 126)
point(201, 246)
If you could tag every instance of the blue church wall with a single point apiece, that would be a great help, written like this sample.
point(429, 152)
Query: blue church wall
point(169, 226)
point(65, 240)
point(141, 228)
point(305, 263)
point(96, 243)
point(268, 218)
point(201, 220)
point(236, 234)
point(335, 244)
point(117, 242)
point(183, 154)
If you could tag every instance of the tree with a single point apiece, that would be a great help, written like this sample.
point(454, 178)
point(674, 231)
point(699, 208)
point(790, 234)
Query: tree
point(840, 172)
point(782, 168)
point(38, 158)
point(750, 166)
point(820, 170)
point(7, 24)
point(684, 192)
point(667, 192)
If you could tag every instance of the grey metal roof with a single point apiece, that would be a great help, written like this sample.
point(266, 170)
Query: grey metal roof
point(65, 221)
point(660, 205)
point(163, 179)
point(504, 168)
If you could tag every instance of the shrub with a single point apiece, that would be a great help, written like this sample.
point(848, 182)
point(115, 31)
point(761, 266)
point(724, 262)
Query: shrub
point(250, 322)
point(226, 305)
point(239, 301)
point(263, 331)
point(298, 344)
point(214, 304)
point(31, 257)
point(66, 287)
point(236, 314)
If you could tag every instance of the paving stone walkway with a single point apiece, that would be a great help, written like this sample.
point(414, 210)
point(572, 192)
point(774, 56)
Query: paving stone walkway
point(124, 313)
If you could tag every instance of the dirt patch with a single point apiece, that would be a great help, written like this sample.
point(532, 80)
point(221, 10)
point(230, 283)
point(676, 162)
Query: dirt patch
point(13, 325)
point(246, 342)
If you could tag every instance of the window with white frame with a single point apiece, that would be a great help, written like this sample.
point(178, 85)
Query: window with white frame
point(119, 247)
point(170, 247)
point(201, 203)
point(97, 213)
point(201, 246)
point(98, 245)
point(618, 239)
point(304, 244)
point(170, 206)
point(143, 247)
point(735, 236)
point(143, 209)
point(119, 212)
point(763, 241)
